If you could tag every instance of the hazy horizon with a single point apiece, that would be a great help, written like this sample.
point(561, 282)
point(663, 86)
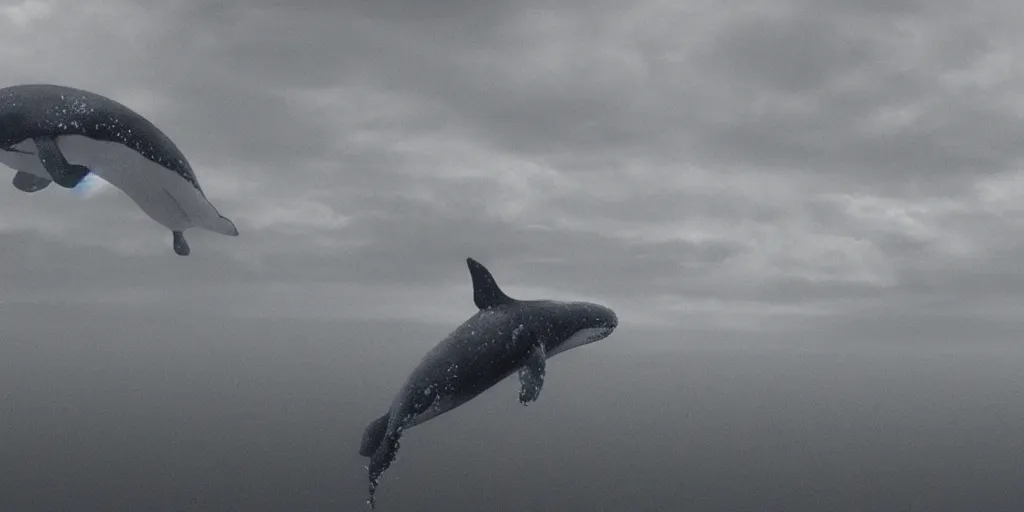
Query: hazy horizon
point(267, 415)
point(806, 214)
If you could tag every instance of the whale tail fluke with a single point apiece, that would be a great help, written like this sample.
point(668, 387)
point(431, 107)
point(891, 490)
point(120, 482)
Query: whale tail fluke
point(382, 458)
point(374, 435)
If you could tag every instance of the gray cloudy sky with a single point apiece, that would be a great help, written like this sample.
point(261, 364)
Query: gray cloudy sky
point(734, 174)
point(695, 164)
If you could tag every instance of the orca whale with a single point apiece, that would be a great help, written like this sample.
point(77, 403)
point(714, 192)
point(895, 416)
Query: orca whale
point(505, 336)
point(53, 133)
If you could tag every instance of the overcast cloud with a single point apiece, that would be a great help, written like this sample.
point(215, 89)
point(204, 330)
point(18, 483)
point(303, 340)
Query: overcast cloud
point(824, 172)
point(803, 159)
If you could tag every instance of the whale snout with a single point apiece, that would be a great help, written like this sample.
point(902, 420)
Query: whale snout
point(607, 321)
point(606, 318)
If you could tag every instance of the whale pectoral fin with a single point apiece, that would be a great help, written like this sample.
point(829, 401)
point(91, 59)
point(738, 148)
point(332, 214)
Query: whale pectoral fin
point(181, 247)
point(63, 173)
point(27, 182)
point(531, 375)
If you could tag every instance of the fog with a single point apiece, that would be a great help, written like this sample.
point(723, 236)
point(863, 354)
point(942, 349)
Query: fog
point(149, 412)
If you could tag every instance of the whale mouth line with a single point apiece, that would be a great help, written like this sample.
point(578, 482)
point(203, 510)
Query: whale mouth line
point(604, 333)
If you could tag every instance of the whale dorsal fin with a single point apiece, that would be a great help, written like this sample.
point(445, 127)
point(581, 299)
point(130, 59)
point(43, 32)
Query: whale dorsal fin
point(486, 293)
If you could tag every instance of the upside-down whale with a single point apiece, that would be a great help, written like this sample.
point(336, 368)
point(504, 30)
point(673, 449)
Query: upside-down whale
point(504, 337)
point(52, 133)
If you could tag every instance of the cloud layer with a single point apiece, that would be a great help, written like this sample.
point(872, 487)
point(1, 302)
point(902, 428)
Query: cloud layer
point(698, 165)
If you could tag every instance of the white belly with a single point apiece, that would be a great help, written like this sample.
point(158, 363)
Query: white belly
point(24, 162)
point(163, 195)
